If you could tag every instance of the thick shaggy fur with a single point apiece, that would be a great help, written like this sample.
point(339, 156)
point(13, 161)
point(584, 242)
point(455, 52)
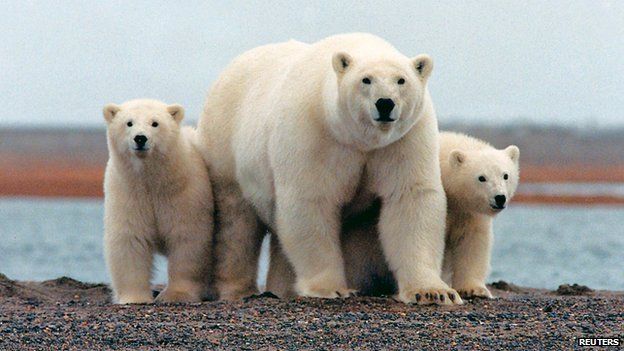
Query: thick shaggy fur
point(294, 140)
point(156, 200)
point(468, 232)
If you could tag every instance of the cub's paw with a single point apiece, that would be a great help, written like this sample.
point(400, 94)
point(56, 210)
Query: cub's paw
point(440, 296)
point(328, 293)
point(176, 296)
point(475, 292)
point(135, 298)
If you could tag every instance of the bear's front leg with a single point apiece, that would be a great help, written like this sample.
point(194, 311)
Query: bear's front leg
point(411, 229)
point(308, 230)
point(129, 257)
point(471, 258)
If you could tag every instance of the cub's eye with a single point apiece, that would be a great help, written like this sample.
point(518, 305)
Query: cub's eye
point(366, 81)
point(154, 124)
point(401, 81)
point(505, 176)
point(482, 179)
point(129, 124)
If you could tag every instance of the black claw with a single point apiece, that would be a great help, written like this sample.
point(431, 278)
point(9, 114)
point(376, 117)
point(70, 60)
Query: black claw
point(451, 296)
point(441, 297)
point(338, 293)
point(418, 297)
point(428, 296)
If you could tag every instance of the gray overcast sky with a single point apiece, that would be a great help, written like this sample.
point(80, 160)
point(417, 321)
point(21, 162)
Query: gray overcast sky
point(495, 61)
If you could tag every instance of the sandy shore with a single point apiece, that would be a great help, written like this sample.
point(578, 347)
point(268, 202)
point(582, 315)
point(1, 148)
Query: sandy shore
point(67, 314)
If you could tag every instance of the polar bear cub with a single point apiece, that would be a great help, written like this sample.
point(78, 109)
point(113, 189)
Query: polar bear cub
point(479, 181)
point(158, 198)
point(296, 134)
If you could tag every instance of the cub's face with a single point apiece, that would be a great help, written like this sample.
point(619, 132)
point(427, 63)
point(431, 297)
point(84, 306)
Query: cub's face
point(138, 130)
point(483, 181)
point(383, 97)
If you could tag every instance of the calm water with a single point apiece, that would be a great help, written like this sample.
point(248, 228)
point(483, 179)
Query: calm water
point(538, 246)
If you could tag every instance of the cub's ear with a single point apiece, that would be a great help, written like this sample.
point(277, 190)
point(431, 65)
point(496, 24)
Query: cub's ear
point(423, 65)
point(176, 111)
point(110, 111)
point(513, 152)
point(341, 62)
point(457, 158)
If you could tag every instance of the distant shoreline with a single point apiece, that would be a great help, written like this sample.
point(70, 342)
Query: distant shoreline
point(66, 162)
point(47, 179)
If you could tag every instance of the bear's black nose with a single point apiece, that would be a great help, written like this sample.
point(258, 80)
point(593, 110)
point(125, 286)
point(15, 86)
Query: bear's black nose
point(500, 200)
point(384, 107)
point(140, 140)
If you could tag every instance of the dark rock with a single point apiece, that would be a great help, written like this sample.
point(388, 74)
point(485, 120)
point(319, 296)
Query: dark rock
point(573, 289)
point(503, 285)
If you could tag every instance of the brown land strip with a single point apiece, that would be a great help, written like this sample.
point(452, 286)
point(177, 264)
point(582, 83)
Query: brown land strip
point(51, 179)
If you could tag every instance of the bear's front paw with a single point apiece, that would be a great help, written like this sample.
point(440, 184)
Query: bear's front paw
point(427, 296)
point(173, 296)
point(472, 292)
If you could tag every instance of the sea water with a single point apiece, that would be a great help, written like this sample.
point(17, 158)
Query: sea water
point(537, 246)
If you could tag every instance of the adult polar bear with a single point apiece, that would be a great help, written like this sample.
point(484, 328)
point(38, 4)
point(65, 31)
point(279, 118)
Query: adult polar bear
point(296, 135)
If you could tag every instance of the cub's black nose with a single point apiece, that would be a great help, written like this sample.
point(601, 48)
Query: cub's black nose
point(140, 140)
point(500, 200)
point(384, 107)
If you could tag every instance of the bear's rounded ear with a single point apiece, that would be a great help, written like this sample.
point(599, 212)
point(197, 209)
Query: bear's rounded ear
point(513, 152)
point(110, 111)
point(423, 65)
point(457, 158)
point(341, 62)
point(176, 111)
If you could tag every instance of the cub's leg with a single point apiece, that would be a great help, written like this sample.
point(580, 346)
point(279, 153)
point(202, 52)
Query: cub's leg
point(238, 238)
point(129, 254)
point(470, 249)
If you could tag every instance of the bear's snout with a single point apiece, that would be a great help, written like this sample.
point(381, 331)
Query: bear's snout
point(384, 107)
point(140, 141)
point(500, 201)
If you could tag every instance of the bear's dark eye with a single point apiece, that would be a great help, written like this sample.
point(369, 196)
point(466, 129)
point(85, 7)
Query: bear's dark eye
point(366, 81)
point(505, 176)
point(401, 81)
point(129, 124)
point(154, 124)
point(482, 179)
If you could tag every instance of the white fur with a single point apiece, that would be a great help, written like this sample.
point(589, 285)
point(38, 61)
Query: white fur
point(470, 206)
point(469, 224)
point(158, 200)
point(291, 136)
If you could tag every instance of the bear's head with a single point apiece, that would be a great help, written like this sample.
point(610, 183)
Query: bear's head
point(482, 181)
point(380, 97)
point(142, 127)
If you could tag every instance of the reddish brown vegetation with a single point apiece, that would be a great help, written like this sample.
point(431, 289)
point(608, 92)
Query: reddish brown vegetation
point(54, 179)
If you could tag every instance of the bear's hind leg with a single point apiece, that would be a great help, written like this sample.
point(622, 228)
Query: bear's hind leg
point(238, 238)
point(189, 265)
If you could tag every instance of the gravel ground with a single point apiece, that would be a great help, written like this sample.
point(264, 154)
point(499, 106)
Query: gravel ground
point(67, 314)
